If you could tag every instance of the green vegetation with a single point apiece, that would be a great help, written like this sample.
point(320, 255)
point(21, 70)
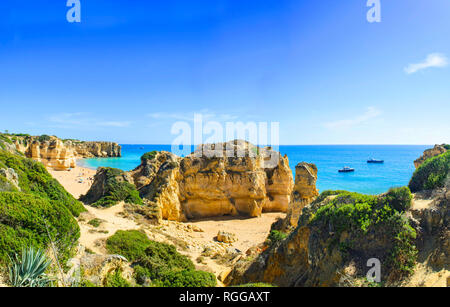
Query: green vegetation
point(431, 174)
point(40, 212)
point(186, 279)
point(28, 220)
point(363, 216)
point(44, 138)
point(326, 194)
point(95, 222)
point(34, 179)
point(115, 280)
point(149, 156)
point(5, 139)
point(29, 270)
point(276, 236)
point(447, 146)
point(158, 262)
point(111, 188)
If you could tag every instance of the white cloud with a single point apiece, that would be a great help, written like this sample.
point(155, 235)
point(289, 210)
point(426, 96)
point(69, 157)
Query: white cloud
point(371, 113)
point(432, 60)
point(80, 119)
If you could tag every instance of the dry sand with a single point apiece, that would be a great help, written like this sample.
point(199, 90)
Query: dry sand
point(77, 181)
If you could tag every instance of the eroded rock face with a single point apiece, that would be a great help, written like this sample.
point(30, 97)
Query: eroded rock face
point(11, 176)
point(304, 192)
point(95, 149)
point(430, 153)
point(52, 154)
point(61, 155)
point(212, 182)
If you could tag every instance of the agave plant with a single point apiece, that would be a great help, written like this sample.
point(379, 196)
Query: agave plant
point(29, 270)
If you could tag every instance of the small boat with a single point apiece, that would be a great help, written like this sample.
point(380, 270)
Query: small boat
point(347, 170)
point(375, 161)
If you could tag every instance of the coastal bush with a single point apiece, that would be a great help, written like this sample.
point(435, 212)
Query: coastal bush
point(5, 139)
point(131, 244)
point(44, 138)
point(149, 156)
point(363, 216)
point(186, 279)
point(34, 179)
point(276, 236)
point(155, 261)
point(29, 220)
point(115, 280)
point(110, 188)
point(326, 194)
point(431, 174)
point(447, 146)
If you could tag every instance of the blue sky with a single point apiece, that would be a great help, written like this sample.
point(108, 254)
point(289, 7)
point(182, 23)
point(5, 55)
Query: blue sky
point(131, 69)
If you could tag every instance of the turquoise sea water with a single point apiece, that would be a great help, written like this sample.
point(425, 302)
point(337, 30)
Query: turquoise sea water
point(368, 178)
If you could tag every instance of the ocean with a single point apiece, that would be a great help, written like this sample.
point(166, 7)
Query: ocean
point(367, 178)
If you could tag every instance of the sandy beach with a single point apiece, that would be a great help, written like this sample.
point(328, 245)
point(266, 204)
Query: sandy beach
point(77, 181)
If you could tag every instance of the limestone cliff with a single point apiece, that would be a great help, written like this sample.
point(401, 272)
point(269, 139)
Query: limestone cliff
point(61, 155)
point(429, 153)
point(304, 193)
point(211, 182)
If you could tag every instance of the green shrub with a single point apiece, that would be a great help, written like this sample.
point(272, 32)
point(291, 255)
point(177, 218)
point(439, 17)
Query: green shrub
point(131, 244)
point(115, 280)
point(186, 279)
point(360, 215)
point(398, 199)
point(34, 179)
point(5, 139)
point(447, 146)
point(276, 236)
point(431, 174)
point(114, 189)
point(25, 220)
point(155, 261)
point(44, 138)
point(325, 194)
point(149, 156)
point(95, 222)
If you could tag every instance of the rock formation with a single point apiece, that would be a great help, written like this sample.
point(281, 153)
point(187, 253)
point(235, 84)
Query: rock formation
point(429, 153)
point(234, 178)
point(339, 232)
point(304, 193)
point(52, 154)
point(62, 155)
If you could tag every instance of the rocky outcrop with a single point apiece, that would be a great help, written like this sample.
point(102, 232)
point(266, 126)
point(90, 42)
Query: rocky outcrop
point(430, 153)
point(51, 153)
point(110, 187)
point(95, 149)
point(334, 240)
point(433, 223)
point(235, 178)
point(304, 193)
point(11, 180)
point(57, 154)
